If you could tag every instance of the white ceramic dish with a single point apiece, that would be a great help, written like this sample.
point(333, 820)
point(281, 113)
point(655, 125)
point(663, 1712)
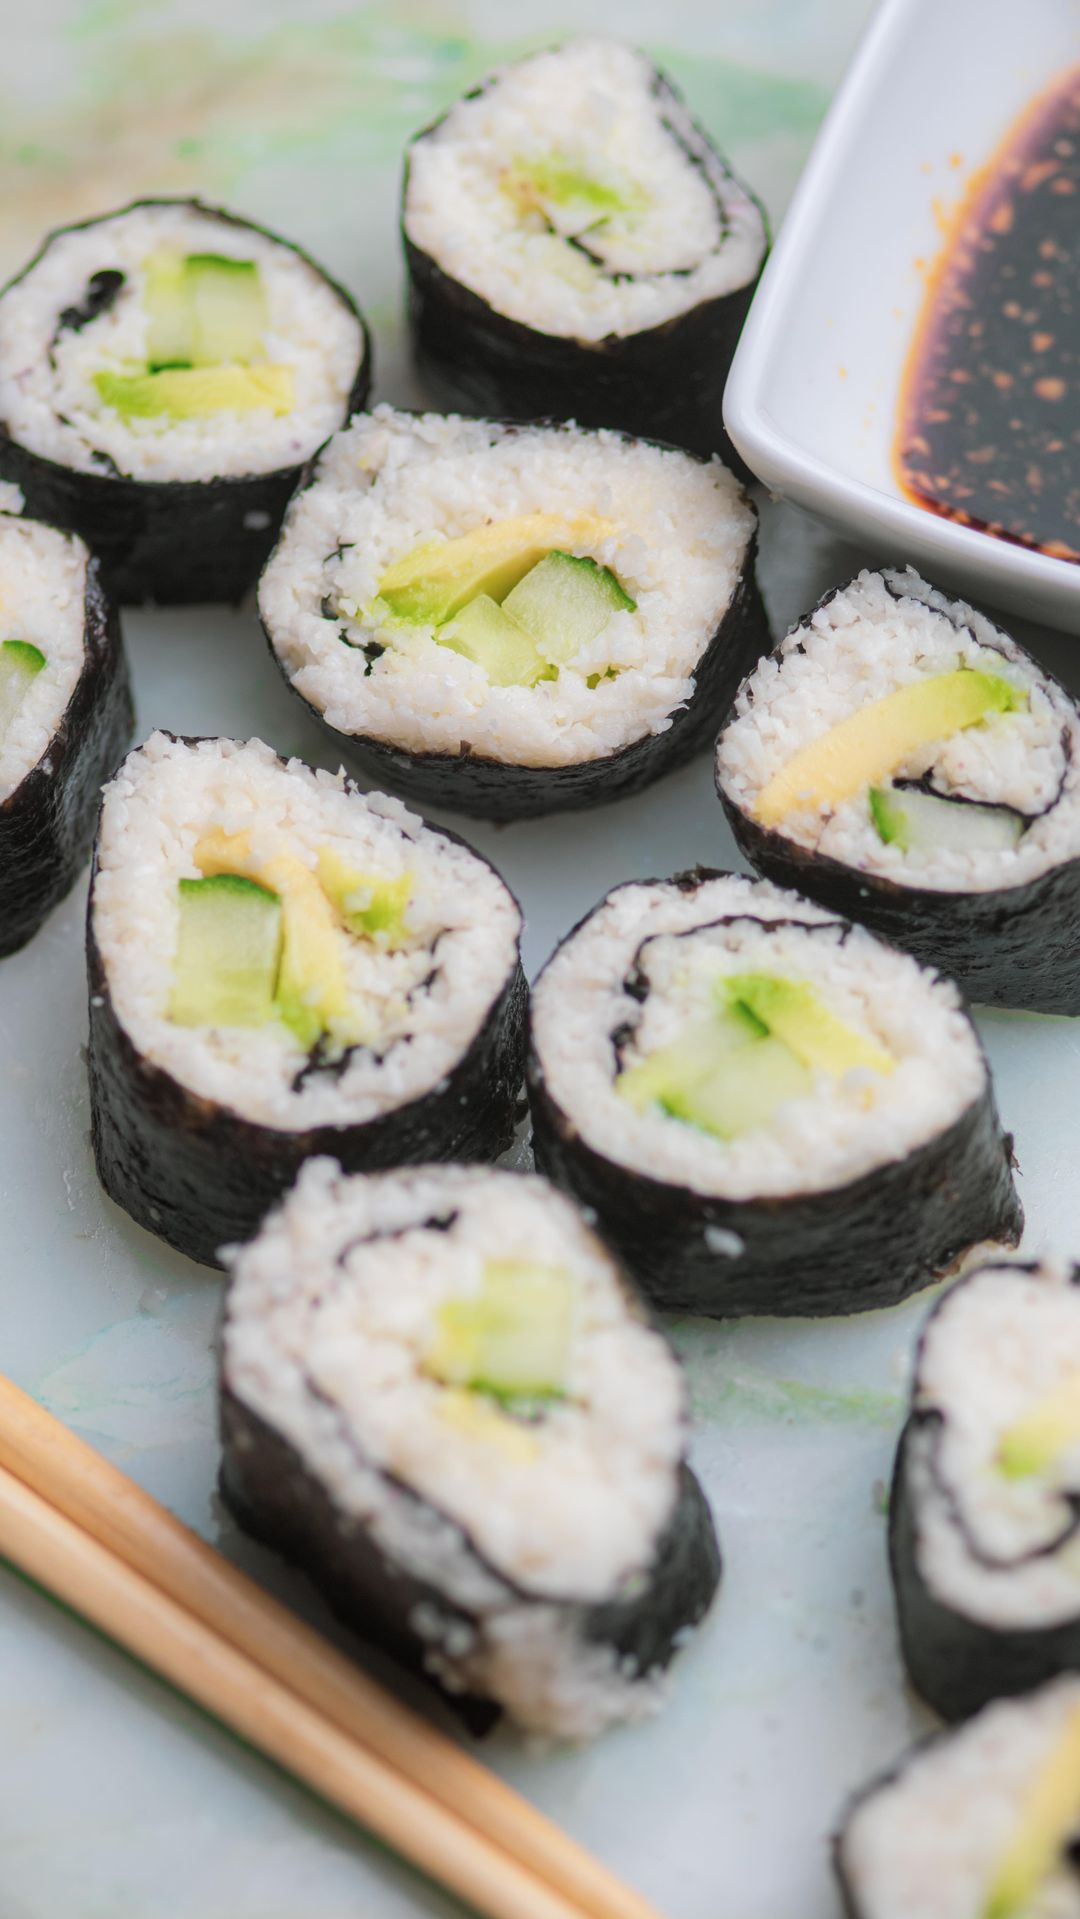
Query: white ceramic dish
point(812, 398)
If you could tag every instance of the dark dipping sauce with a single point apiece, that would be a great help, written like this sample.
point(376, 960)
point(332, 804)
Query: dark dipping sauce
point(990, 413)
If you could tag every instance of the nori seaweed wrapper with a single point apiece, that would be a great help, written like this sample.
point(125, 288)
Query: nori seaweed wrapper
point(848, 1249)
point(959, 1663)
point(1013, 946)
point(201, 1176)
point(499, 790)
point(275, 1496)
point(665, 382)
point(174, 542)
point(47, 823)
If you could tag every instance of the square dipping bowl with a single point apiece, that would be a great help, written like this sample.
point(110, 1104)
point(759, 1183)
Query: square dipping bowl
point(813, 396)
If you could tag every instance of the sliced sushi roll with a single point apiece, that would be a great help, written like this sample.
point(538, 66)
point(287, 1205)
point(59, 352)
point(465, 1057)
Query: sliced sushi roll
point(577, 248)
point(442, 1399)
point(165, 372)
point(979, 1823)
point(769, 1110)
point(513, 620)
point(65, 717)
point(280, 965)
point(904, 761)
point(984, 1522)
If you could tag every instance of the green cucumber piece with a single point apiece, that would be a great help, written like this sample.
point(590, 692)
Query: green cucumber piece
point(20, 664)
point(191, 393)
point(564, 603)
point(228, 952)
point(485, 633)
point(512, 1338)
point(724, 1075)
point(203, 310)
point(929, 823)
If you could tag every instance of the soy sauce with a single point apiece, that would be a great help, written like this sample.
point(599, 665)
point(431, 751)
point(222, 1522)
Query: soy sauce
point(989, 431)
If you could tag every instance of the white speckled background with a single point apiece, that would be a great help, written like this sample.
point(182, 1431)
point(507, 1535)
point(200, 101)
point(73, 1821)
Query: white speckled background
point(117, 1800)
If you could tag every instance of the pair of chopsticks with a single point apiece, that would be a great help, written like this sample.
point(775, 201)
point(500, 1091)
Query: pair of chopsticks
point(97, 1541)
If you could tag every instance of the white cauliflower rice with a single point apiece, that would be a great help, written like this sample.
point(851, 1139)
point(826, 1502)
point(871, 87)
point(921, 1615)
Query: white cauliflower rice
point(574, 193)
point(43, 604)
point(591, 1018)
point(48, 399)
point(423, 1000)
point(329, 1318)
point(391, 481)
point(884, 631)
point(998, 1547)
point(929, 1841)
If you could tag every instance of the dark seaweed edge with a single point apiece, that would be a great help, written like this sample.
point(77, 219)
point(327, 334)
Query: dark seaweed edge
point(489, 788)
point(47, 822)
point(1012, 946)
point(170, 541)
point(666, 379)
point(282, 1501)
point(200, 1175)
point(955, 1662)
point(658, 1227)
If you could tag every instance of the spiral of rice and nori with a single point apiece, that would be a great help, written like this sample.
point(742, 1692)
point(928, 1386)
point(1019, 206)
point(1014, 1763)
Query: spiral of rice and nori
point(577, 248)
point(984, 1521)
point(280, 966)
point(513, 620)
point(982, 1822)
point(65, 717)
point(905, 762)
point(165, 373)
point(441, 1397)
point(769, 1110)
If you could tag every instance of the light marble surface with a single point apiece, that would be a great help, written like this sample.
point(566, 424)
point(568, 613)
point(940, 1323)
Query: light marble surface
point(116, 1798)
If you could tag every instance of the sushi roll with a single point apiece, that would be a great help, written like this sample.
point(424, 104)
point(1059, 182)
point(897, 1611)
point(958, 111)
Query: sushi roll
point(577, 248)
point(984, 1522)
point(65, 717)
point(902, 760)
point(442, 1399)
point(978, 1823)
point(280, 965)
point(165, 372)
point(513, 620)
point(769, 1110)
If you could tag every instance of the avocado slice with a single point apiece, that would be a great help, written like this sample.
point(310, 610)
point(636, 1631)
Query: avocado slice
point(228, 952)
point(485, 633)
point(370, 905)
point(929, 823)
point(567, 194)
point(564, 603)
point(312, 995)
point(20, 664)
point(485, 1423)
point(191, 393)
point(511, 1340)
point(1047, 1823)
point(877, 739)
point(203, 310)
point(724, 1075)
point(793, 1012)
point(429, 585)
point(1032, 1444)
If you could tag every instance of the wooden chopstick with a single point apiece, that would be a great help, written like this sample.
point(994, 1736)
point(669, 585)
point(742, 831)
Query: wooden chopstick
point(125, 1521)
point(48, 1546)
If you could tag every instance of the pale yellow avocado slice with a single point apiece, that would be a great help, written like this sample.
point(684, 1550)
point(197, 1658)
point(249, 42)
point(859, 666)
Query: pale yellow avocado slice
point(1048, 1821)
point(312, 995)
point(879, 738)
point(433, 582)
point(191, 393)
point(1032, 1444)
point(369, 904)
point(792, 1011)
point(485, 1424)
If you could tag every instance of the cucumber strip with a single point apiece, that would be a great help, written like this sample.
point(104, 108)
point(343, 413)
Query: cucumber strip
point(929, 823)
point(20, 664)
point(228, 952)
point(564, 603)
